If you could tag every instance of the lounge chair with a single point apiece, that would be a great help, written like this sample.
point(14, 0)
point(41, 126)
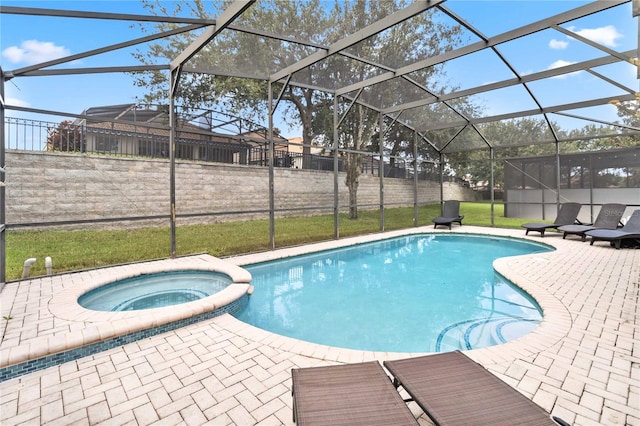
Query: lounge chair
point(567, 215)
point(452, 389)
point(630, 231)
point(349, 394)
point(450, 214)
point(608, 218)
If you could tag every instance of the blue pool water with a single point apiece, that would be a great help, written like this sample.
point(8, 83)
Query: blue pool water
point(154, 290)
point(421, 293)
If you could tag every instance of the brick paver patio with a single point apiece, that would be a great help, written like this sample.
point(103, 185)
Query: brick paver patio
point(582, 363)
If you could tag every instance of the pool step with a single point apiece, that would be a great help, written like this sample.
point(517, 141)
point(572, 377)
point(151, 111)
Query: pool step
point(482, 332)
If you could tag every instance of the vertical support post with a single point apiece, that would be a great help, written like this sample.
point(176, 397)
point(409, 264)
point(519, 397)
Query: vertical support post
point(592, 182)
point(441, 164)
point(558, 181)
point(272, 216)
point(336, 186)
point(3, 240)
point(173, 83)
point(381, 169)
point(543, 198)
point(492, 184)
point(415, 178)
point(635, 13)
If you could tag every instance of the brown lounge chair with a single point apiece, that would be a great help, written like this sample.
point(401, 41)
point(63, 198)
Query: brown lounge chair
point(630, 231)
point(349, 394)
point(608, 218)
point(452, 389)
point(450, 214)
point(567, 215)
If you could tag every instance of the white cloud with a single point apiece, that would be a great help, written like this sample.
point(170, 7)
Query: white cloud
point(603, 35)
point(558, 44)
point(17, 102)
point(561, 63)
point(34, 52)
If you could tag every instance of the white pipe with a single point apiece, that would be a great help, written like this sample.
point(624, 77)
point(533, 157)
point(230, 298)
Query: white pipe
point(27, 266)
point(48, 264)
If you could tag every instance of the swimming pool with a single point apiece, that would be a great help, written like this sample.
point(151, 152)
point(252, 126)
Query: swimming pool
point(420, 293)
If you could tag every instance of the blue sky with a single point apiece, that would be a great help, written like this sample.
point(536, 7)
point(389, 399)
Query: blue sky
point(25, 40)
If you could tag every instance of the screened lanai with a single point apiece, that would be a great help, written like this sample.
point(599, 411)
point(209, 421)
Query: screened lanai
point(416, 97)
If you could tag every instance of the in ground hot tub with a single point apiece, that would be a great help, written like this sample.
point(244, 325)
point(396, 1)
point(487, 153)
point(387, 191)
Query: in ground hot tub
point(154, 290)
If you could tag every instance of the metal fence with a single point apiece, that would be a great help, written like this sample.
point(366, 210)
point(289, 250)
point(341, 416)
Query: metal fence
point(145, 142)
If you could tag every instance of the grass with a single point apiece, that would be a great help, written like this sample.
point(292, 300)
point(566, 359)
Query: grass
point(77, 250)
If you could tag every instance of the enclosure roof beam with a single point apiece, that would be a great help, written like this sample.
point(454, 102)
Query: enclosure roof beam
point(14, 10)
point(88, 118)
point(484, 139)
point(610, 81)
point(451, 140)
point(520, 114)
point(95, 70)
point(234, 10)
point(554, 72)
point(574, 35)
point(224, 73)
point(366, 32)
point(595, 120)
point(525, 30)
point(26, 70)
point(431, 144)
point(568, 139)
point(580, 138)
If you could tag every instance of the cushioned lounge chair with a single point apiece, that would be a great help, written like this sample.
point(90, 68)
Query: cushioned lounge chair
point(349, 394)
point(608, 218)
point(450, 214)
point(452, 389)
point(630, 231)
point(567, 215)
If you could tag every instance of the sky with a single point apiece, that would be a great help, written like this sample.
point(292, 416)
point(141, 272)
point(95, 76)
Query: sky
point(27, 40)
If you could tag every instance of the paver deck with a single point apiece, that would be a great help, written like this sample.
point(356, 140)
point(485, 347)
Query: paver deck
point(581, 364)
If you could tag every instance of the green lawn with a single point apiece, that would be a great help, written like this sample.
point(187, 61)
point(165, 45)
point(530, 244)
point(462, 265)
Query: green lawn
point(76, 250)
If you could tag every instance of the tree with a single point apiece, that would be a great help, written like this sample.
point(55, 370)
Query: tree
point(362, 125)
point(66, 137)
point(318, 25)
point(629, 112)
point(522, 137)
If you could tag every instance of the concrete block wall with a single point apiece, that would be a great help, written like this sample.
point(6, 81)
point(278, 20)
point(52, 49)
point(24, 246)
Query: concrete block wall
point(51, 187)
point(54, 187)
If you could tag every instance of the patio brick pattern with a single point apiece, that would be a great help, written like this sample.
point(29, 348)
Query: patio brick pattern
point(582, 364)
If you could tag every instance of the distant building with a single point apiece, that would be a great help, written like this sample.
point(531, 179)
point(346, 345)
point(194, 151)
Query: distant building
point(296, 149)
point(129, 130)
